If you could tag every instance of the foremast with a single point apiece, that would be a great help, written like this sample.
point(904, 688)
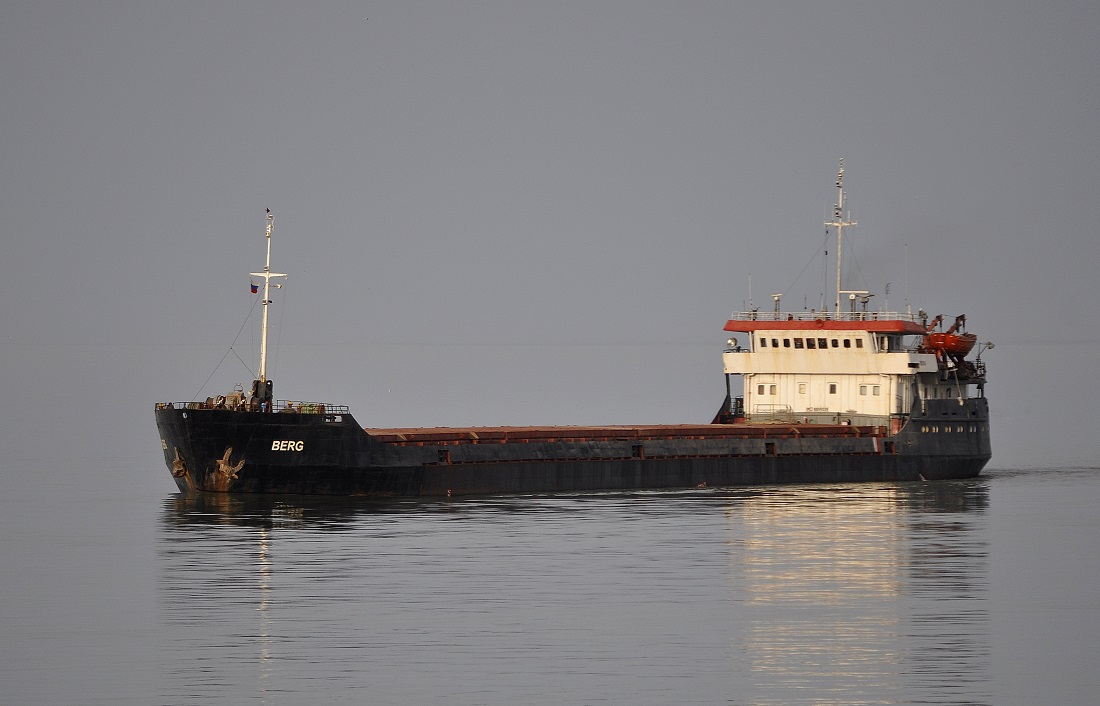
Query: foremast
point(262, 389)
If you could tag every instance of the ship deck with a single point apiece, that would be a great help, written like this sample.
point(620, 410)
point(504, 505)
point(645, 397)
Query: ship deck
point(541, 434)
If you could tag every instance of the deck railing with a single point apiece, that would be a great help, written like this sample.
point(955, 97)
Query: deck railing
point(811, 315)
point(280, 406)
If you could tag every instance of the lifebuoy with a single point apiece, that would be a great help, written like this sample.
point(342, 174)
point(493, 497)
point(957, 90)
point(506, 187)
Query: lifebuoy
point(820, 323)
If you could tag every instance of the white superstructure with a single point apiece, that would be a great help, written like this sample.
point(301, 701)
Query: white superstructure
point(815, 371)
point(846, 367)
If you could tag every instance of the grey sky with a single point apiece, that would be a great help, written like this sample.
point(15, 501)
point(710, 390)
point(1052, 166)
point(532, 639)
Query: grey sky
point(600, 174)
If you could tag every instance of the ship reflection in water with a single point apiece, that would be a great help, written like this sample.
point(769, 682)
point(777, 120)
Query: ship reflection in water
point(873, 593)
point(864, 595)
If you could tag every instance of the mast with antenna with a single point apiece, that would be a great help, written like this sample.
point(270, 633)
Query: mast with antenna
point(839, 222)
point(262, 387)
point(908, 308)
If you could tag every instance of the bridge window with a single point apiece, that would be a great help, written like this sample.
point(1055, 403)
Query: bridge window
point(876, 390)
point(810, 343)
point(786, 343)
point(798, 343)
point(836, 343)
point(822, 343)
point(832, 388)
point(760, 389)
point(863, 389)
point(763, 343)
point(847, 343)
point(859, 343)
point(775, 343)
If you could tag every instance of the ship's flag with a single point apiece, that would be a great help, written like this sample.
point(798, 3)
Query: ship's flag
point(255, 287)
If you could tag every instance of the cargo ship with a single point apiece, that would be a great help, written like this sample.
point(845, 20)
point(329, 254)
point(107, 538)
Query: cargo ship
point(837, 395)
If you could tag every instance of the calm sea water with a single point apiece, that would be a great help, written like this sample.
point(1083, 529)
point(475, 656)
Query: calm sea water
point(976, 592)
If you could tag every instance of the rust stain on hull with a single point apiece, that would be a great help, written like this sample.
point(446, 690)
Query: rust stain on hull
point(224, 473)
point(181, 473)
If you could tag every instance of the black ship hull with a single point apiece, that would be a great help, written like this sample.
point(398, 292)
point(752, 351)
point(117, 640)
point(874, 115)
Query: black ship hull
point(222, 450)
